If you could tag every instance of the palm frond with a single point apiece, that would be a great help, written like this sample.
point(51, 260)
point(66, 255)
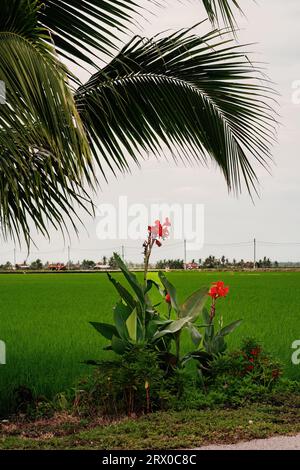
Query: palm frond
point(199, 96)
point(86, 30)
point(222, 9)
point(43, 148)
point(83, 30)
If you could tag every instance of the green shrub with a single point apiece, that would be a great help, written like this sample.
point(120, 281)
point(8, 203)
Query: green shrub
point(131, 384)
point(251, 361)
point(30, 406)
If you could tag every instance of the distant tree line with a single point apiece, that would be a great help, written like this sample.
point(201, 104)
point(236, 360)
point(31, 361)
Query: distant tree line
point(211, 262)
point(170, 263)
point(223, 262)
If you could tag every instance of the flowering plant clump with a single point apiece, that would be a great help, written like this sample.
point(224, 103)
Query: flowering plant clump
point(213, 340)
point(138, 322)
point(258, 363)
point(141, 325)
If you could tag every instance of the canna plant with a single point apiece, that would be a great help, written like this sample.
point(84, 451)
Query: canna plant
point(185, 316)
point(136, 319)
point(139, 323)
point(212, 342)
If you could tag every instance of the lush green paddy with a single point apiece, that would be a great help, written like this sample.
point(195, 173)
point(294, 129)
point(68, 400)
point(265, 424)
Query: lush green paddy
point(44, 321)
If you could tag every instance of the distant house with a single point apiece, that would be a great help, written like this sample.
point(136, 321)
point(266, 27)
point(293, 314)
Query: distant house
point(21, 267)
point(191, 266)
point(100, 266)
point(57, 267)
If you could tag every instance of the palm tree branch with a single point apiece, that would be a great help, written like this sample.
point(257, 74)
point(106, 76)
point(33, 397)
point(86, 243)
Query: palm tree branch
point(83, 30)
point(197, 97)
point(44, 152)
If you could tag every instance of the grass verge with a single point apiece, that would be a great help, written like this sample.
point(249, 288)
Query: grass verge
point(163, 430)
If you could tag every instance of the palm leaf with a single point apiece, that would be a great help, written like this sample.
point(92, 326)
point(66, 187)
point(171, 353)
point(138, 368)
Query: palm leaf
point(87, 29)
point(44, 152)
point(222, 9)
point(198, 96)
point(83, 30)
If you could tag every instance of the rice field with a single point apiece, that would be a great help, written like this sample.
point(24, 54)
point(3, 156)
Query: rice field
point(44, 321)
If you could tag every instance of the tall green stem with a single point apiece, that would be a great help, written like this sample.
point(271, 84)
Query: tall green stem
point(148, 251)
point(177, 345)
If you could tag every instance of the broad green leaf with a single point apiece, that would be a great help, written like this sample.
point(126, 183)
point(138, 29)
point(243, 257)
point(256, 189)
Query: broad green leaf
point(171, 290)
point(173, 327)
point(209, 332)
point(131, 278)
point(106, 330)
point(150, 283)
point(152, 328)
point(154, 280)
point(229, 328)
point(195, 334)
point(206, 316)
point(119, 346)
point(131, 324)
point(218, 345)
point(124, 293)
point(194, 304)
point(121, 314)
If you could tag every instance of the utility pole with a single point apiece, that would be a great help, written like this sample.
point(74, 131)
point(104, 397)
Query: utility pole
point(15, 257)
point(123, 253)
point(254, 252)
point(184, 254)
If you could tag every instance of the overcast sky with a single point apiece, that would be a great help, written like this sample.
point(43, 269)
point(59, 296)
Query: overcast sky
point(272, 218)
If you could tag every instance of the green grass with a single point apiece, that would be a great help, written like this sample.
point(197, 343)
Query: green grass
point(44, 321)
point(173, 430)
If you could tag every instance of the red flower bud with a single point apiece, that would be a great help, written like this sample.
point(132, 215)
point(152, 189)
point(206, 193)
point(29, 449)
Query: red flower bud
point(158, 243)
point(168, 298)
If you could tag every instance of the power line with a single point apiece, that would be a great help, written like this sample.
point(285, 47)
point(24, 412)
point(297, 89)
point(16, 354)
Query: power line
point(257, 245)
point(278, 243)
point(229, 244)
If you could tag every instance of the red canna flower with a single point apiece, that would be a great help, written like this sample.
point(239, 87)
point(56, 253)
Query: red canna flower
point(168, 298)
point(156, 233)
point(160, 230)
point(218, 289)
